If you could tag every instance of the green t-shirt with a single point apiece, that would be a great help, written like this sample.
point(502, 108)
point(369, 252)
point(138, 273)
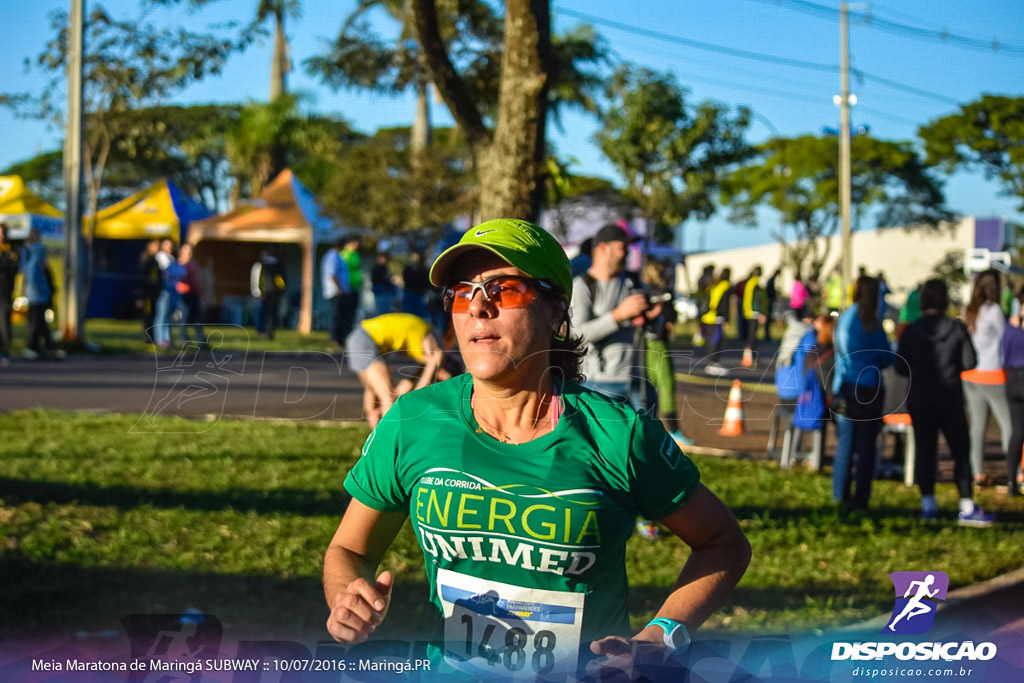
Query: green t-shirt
point(355, 269)
point(528, 539)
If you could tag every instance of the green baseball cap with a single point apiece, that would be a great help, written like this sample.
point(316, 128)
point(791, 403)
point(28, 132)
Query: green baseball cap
point(522, 244)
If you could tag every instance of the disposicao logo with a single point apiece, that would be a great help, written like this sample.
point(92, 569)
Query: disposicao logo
point(917, 598)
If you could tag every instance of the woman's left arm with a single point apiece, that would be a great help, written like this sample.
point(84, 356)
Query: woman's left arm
point(720, 554)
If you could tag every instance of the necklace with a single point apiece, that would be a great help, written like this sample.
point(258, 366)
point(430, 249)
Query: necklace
point(553, 409)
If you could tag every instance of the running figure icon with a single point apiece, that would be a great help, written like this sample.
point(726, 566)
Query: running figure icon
point(915, 606)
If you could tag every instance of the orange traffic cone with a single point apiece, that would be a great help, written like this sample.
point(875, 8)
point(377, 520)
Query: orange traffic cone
point(732, 425)
point(748, 358)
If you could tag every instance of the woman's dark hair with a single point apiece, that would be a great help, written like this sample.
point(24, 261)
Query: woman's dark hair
point(865, 295)
point(986, 290)
point(725, 275)
point(567, 353)
point(934, 296)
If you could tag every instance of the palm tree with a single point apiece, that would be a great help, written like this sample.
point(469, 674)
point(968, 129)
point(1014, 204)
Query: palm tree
point(281, 62)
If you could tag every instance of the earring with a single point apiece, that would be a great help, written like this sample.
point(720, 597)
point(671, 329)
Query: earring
point(562, 331)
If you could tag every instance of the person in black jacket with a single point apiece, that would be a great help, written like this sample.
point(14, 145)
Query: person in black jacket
point(8, 270)
point(149, 290)
point(935, 350)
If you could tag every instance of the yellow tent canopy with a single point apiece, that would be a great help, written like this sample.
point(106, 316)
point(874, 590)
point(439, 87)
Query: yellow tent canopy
point(158, 212)
point(22, 209)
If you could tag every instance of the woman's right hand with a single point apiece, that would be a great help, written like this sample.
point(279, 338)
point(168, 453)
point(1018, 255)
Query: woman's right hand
point(359, 609)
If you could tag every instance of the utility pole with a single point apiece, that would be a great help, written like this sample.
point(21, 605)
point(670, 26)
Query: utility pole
point(72, 310)
point(846, 246)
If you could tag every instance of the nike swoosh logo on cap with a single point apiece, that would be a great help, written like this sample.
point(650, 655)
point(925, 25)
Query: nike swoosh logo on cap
point(481, 233)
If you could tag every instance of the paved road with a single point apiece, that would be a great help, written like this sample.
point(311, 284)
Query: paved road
point(318, 386)
point(294, 385)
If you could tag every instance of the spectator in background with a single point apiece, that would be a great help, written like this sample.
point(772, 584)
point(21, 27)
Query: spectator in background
point(607, 304)
point(1006, 298)
point(415, 285)
point(798, 298)
point(1013, 363)
point(380, 281)
point(862, 352)
point(38, 289)
point(334, 284)
point(883, 292)
point(701, 297)
point(813, 285)
point(350, 298)
point(167, 300)
point(751, 307)
point(190, 287)
point(934, 351)
point(771, 295)
point(373, 340)
point(149, 291)
point(713, 321)
point(984, 386)
point(266, 282)
point(8, 271)
point(911, 310)
point(657, 337)
point(584, 258)
point(834, 292)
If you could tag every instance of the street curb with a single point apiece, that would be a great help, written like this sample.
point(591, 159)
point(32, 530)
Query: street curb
point(716, 452)
point(725, 381)
point(955, 598)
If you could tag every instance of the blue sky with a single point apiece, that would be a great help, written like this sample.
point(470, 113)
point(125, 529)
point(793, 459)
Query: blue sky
point(659, 34)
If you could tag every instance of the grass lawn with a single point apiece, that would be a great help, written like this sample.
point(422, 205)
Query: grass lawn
point(97, 522)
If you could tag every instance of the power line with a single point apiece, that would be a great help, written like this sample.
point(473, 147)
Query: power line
point(747, 54)
point(872, 20)
point(689, 42)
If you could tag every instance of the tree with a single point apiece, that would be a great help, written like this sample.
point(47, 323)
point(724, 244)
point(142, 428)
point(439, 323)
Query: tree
point(985, 134)
point(271, 137)
point(799, 178)
point(373, 179)
point(469, 34)
point(183, 144)
point(127, 65)
point(672, 156)
point(509, 158)
point(280, 63)
point(43, 174)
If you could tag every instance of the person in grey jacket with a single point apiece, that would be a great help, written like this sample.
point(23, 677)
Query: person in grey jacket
point(605, 302)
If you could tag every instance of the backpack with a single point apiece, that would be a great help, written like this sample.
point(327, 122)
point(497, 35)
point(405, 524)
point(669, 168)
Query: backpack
point(809, 413)
point(790, 379)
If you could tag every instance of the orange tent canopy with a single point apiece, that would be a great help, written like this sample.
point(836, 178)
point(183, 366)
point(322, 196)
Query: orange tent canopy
point(285, 212)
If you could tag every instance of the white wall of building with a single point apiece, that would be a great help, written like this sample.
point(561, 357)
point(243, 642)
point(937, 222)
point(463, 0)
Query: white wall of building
point(907, 257)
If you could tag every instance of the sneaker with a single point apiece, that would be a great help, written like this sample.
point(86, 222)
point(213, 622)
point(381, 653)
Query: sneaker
point(30, 354)
point(60, 354)
point(715, 369)
point(681, 438)
point(646, 528)
point(977, 518)
point(4, 361)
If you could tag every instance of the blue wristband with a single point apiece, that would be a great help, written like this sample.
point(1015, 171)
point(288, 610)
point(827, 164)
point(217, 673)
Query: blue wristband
point(676, 635)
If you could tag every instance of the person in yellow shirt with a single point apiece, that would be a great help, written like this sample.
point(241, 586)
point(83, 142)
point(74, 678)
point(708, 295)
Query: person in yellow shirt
point(373, 340)
point(751, 312)
point(713, 318)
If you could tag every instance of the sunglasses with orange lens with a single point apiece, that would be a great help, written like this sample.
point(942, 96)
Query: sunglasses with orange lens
point(504, 291)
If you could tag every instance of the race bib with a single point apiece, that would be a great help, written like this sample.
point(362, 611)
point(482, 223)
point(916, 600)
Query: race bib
point(499, 629)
